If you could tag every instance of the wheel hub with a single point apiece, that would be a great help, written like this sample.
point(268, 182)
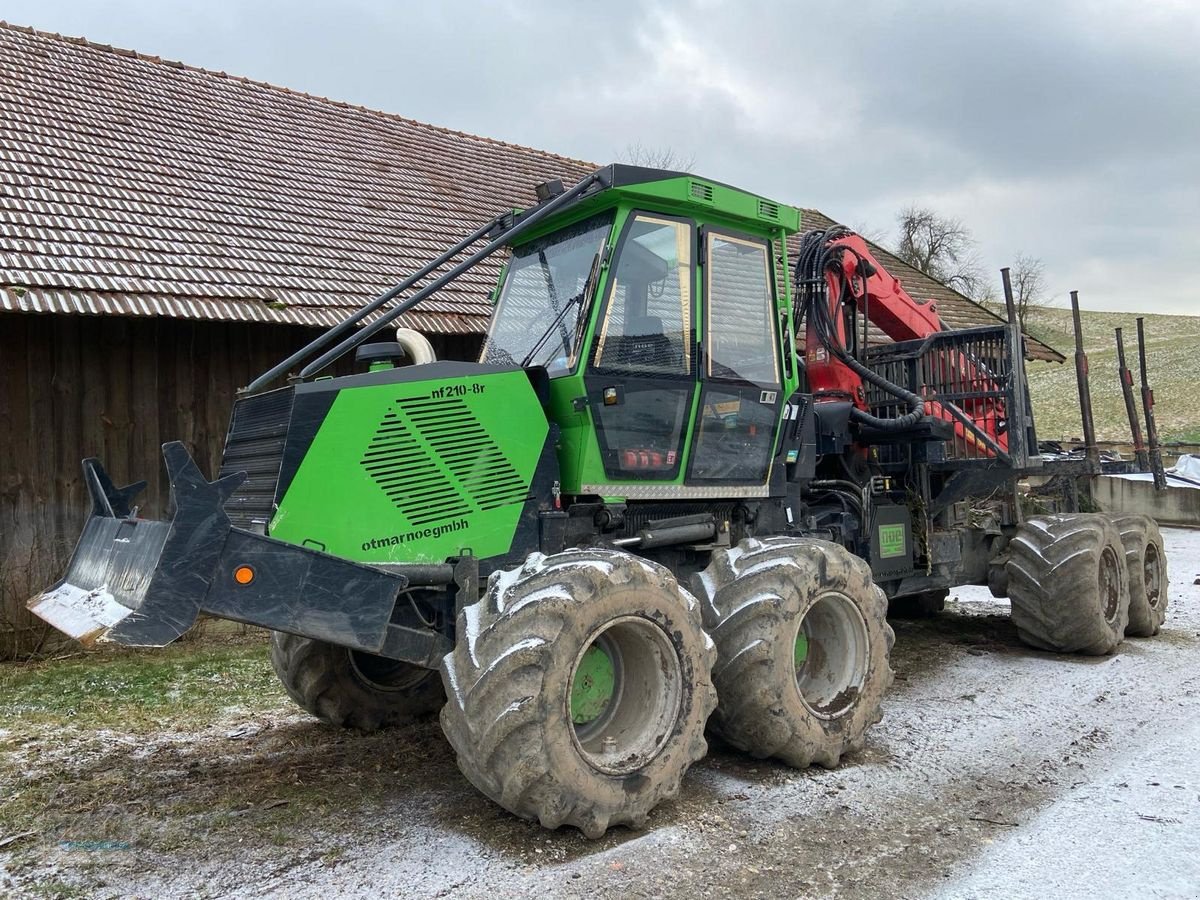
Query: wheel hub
point(625, 694)
point(1110, 584)
point(384, 674)
point(594, 684)
point(830, 655)
point(1153, 575)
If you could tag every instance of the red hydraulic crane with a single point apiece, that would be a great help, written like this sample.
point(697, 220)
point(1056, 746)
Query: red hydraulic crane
point(840, 279)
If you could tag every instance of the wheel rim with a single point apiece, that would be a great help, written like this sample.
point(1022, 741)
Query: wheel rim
point(625, 692)
point(1153, 575)
point(830, 655)
point(384, 674)
point(1110, 584)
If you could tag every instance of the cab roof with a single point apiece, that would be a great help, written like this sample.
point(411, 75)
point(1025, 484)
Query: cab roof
point(669, 191)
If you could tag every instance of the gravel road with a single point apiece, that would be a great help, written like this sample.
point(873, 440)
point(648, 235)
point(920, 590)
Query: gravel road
point(998, 771)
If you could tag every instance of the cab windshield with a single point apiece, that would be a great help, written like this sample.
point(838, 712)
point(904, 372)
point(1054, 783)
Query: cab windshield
point(538, 313)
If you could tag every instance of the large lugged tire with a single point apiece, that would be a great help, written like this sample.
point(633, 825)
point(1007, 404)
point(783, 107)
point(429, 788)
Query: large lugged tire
point(1146, 561)
point(1068, 584)
point(802, 648)
point(578, 689)
point(351, 689)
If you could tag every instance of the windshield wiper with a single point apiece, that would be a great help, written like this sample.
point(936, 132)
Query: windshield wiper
point(578, 298)
point(557, 320)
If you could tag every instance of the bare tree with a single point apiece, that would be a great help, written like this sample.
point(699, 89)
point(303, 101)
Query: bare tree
point(941, 247)
point(870, 233)
point(1028, 277)
point(638, 154)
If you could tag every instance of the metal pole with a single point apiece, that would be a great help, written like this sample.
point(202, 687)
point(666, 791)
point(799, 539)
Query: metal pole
point(1135, 423)
point(437, 284)
point(1022, 442)
point(1009, 303)
point(1156, 463)
point(1085, 391)
point(1021, 449)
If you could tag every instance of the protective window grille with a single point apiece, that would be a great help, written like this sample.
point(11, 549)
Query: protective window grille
point(647, 320)
point(538, 311)
point(435, 461)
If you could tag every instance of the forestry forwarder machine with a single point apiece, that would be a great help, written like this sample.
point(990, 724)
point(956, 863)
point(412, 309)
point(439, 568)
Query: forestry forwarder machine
point(510, 540)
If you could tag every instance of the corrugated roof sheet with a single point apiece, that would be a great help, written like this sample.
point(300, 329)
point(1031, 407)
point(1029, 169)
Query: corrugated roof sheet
point(131, 185)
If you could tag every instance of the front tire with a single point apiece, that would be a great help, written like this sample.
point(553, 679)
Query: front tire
point(802, 648)
point(350, 688)
point(578, 689)
point(1068, 584)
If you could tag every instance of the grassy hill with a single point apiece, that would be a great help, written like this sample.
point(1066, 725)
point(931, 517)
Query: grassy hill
point(1172, 355)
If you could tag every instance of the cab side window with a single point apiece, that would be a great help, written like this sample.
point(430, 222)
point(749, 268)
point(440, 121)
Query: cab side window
point(741, 334)
point(739, 397)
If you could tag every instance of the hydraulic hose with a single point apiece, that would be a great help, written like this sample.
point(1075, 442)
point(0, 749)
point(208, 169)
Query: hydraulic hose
point(816, 257)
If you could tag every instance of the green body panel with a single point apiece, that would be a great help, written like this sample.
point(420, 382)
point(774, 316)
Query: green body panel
point(336, 503)
point(462, 453)
point(738, 211)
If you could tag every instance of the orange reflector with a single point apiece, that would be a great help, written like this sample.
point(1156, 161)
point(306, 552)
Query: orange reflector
point(243, 574)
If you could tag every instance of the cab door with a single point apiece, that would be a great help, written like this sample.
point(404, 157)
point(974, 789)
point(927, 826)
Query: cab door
point(641, 376)
point(740, 390)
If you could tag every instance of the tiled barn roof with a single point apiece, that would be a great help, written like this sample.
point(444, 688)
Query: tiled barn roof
point(132, 185)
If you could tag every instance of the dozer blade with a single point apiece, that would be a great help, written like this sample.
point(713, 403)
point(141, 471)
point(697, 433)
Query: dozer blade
point(143, 583)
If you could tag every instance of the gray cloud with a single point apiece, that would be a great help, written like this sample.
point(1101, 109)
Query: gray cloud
point(1066, 130)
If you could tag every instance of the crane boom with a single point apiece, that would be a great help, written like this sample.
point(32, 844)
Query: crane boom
point(850, 281)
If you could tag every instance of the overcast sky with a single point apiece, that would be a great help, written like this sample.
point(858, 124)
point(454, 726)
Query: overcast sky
point(1064, 130)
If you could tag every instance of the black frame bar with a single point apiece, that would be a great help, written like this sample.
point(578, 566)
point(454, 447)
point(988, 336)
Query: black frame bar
point(519, 224)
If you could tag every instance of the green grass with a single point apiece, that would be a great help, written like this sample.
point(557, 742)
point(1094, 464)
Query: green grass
point(141, 691)
point(1173, 357)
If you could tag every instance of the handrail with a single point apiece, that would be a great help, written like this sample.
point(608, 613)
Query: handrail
point(354, 318)
point(525, 223)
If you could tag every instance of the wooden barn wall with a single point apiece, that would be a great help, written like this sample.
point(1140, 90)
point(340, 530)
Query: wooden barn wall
point(117, 389)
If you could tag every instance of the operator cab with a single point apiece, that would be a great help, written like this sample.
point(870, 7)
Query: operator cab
point(659, 317)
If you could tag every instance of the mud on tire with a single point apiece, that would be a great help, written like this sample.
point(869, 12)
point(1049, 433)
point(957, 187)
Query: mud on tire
point(512, 711)
point(1146, 561)
point(764, 602)
point(352, 689)
point(1068, 584)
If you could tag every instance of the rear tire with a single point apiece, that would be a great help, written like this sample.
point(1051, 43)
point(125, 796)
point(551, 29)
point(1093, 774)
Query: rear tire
point(352, 689)
point(578, 689)
point(1068, 584)
point(1147, 563)
point(802, 648)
